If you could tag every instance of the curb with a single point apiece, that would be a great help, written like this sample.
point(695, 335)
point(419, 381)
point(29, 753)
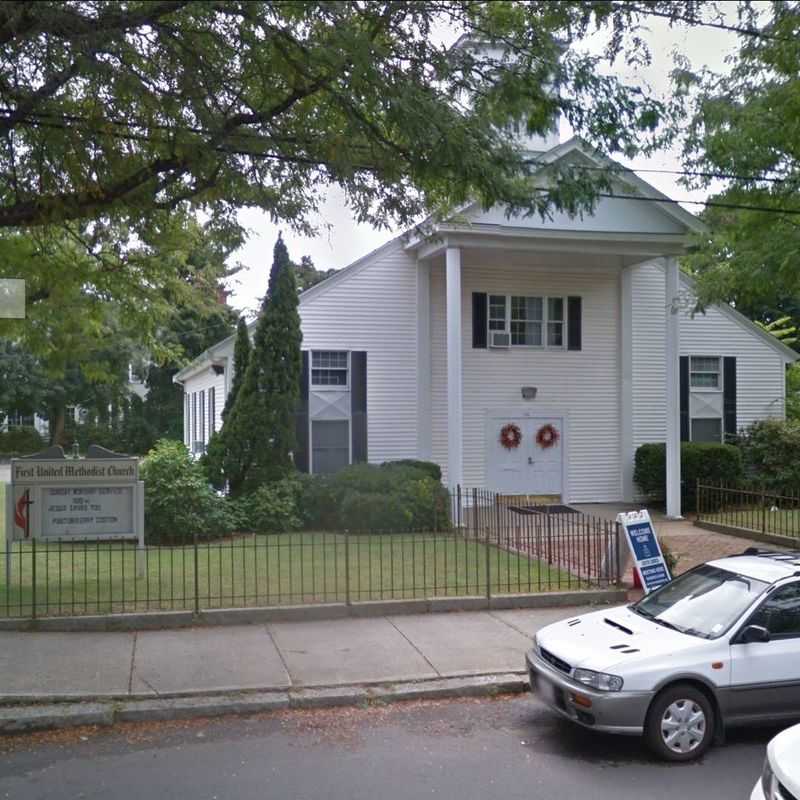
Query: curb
point(159, 620)
point(31, 718)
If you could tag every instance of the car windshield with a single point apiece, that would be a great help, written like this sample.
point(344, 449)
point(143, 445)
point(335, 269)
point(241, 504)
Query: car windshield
point(705, 602)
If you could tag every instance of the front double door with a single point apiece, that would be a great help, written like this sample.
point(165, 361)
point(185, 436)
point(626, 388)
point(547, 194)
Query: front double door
point(535, 465)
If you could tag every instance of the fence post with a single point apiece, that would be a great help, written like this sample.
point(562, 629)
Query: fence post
point(763, 511)
point(347, 598)
point(196, 575)
point(698, 504)
point(618, 543)
point(549, 538)
point(33, 578)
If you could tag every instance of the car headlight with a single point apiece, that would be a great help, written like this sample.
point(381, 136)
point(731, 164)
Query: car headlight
point(769, 784)
point(598, 680)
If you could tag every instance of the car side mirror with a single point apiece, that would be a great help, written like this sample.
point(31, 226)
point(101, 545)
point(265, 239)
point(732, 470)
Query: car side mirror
point(754, 633)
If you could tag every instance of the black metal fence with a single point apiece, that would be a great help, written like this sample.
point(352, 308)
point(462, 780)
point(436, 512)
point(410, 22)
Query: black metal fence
point(487, 545)
point(750, 509)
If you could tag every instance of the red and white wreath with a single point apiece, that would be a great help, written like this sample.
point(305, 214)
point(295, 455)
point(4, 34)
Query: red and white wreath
point(547, 436)
point(510, 436)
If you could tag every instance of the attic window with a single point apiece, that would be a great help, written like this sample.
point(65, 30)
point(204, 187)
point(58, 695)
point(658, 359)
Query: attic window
point(705, 373)
point(329, 368)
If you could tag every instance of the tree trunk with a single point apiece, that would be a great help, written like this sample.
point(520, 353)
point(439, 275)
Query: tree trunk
point(58, 417)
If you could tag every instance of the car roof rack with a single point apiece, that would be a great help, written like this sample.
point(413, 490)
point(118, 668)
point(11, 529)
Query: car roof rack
point(775, 555)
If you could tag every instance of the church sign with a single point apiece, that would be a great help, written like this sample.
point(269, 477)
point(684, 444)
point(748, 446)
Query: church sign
point(97, 497)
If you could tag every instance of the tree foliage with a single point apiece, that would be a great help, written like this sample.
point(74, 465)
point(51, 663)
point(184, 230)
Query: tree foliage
point(241, 358)
point(307, 275)
point(99, 300)
point(744, 126)
point(124, 110)
point(257, 438)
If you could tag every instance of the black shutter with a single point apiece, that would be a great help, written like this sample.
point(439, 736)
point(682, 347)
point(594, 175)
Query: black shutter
point(301, 421)
point(574, 323)
point(479, 319)
point(684, 392)
point(358, 405)
point(729, 396)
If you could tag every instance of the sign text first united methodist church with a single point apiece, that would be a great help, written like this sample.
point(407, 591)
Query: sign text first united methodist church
point(60, 472)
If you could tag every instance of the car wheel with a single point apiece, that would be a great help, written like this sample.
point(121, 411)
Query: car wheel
point(680, 724)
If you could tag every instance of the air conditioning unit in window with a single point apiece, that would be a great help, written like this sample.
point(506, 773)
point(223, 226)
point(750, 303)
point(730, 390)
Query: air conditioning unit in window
point(499, 339)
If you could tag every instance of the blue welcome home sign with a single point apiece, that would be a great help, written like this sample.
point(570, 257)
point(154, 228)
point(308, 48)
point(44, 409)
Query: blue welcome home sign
point(647, 555)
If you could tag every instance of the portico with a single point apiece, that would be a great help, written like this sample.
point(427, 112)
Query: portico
point(461, 257)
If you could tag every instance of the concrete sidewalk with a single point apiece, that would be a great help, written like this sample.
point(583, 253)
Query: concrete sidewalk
point(45, 667)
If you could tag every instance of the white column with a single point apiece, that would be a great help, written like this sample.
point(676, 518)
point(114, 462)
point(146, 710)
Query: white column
point(455, 413)
point(626, 383)
point(673, 401)
point(424, 401)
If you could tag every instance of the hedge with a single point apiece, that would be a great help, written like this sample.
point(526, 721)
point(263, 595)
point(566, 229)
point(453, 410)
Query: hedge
point(706, 462)
point(391, 497)
point(20, 442)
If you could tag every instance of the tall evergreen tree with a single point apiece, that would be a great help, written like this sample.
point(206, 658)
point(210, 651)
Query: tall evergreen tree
point(241, 358)
point(257, 439)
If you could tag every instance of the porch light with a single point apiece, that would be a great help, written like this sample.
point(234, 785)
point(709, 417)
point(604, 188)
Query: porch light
point(528, 392)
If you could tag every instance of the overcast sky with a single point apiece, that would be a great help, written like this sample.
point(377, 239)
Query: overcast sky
point(341, 241)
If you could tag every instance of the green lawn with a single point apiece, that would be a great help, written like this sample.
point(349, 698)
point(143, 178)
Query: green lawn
point(265, 570)
point(782, 522)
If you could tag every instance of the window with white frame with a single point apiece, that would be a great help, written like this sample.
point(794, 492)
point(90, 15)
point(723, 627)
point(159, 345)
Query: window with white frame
point(530, 321)
point(706, 405)
point(212, 411)
point(705, 373)
point(555, 322)
point(329, 368)
point(497, 312)
point(527, 318)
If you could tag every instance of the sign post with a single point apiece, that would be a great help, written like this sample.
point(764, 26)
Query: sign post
point(648, 559)
point(99, 497)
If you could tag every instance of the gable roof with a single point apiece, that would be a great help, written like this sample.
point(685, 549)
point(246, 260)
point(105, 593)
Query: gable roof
point(670, 207)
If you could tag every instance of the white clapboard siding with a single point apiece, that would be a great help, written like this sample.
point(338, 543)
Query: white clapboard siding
point(203, 381)
point(374, 309)
point(760, 370)
point(584, 385)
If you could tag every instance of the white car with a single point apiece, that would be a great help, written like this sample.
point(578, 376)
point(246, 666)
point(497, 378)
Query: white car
point(780, 779)
point(717, 646)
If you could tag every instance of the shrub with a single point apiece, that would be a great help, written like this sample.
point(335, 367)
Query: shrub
point(706, 462)
point(178, 502)
point(20, 442)
point(272, 508)
point(395, 496)
point(317, 505)
point(370, 511)
point(429, 467)
point(771, 453)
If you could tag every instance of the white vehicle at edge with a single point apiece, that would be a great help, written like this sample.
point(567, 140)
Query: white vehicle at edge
point(780, 779)
point(717, 646)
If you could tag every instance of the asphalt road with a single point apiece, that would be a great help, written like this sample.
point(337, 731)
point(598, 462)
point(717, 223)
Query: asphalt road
point(504, 748)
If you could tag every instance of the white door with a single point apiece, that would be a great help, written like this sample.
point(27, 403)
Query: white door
point(535, 464)
point(546, 455)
